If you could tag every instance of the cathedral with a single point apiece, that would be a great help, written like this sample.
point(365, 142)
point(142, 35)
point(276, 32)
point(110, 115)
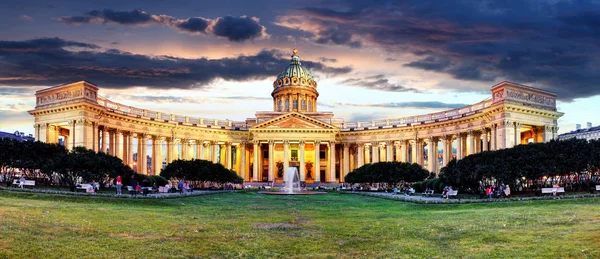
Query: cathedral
point(294, 134)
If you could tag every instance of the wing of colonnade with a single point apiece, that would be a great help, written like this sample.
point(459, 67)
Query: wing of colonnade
point(77, 116)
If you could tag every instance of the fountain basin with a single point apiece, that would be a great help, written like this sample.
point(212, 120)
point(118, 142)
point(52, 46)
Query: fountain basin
point(292, 193)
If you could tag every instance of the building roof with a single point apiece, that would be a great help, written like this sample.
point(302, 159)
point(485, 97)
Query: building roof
point(581, 131)
point(295, 69)
point(20, 136)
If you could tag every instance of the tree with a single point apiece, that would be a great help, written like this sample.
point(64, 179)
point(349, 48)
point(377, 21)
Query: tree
point(387, 172)
point(200, 170)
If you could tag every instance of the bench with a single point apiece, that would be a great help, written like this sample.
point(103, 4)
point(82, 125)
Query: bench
point(597, 187)
point(25, 183)
point(85, 187)
point(451, 193)
point(373, 189)
point(131, 190)
point(552, 190)
point(163, 189)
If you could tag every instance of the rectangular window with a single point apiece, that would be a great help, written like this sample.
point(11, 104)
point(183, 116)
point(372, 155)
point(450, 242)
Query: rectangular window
point(287, 105)
point(279, 106)
point(294, 155)
point(310, 106)
point(304, 105)
point(322, 155)
point(296, 104)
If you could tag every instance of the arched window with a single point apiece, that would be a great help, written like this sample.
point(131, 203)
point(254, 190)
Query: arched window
point(295, 104)
point(287, 105)
point(279, 106)
point(310, 107)
point(303, 105)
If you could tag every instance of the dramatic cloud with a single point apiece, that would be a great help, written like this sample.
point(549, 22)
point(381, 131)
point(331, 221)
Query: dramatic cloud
point(238, 29)
point(332, 60)
point(377, 82)
point(193, 25)
point(546, 44)
point(49, 61)
point(235, 29)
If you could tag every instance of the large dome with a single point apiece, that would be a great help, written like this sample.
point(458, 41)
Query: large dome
point(294, 74)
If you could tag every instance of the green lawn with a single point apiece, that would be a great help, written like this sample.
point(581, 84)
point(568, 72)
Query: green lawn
point(250, 225)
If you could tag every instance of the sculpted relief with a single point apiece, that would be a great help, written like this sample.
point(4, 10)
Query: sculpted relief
point(530, 97)
point(60, 96)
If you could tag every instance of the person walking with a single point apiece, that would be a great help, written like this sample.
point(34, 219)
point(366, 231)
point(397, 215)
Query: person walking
point(119, 181)
point(180, 186)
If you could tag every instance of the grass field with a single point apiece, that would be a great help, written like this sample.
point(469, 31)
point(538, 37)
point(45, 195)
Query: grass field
point(250, 225)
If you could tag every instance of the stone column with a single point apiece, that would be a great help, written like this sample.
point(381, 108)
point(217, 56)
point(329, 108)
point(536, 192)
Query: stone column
point(360, 154)
point(346, 157)
point(72, 135)
point(420, 154)
point(302, 165)
point(242, 172)
point(470, 143)
point(446, 149)
point(381, 150)
point(484, 139)
point(255, 162)
point(459, 146)
point(104, 140)
point(505, 135)
point(389, 153)
point(125, 148)
point(271, 166)
point(432, 155)
point(414, 151)
point(286, 156)
point(176, 143)
point(403, 151)
point(129, 148)
point(228, 154)
point(332, 162)
point(375, 152)
point(157, 154)
point(317, 162)
point(215, 152)
point(170, 148)
point(142, 160)
point(493, 138)
point(184, 149)
point(517, 133)
point(95, 138)
point(548, 133)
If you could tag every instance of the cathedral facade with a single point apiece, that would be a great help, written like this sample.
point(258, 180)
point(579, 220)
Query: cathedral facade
point(294, 134)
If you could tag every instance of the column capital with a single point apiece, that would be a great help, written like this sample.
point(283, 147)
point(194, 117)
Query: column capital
point(286, 142)
point(242, 143)
point(271, 142)
point(302, 142)
point(346, 145)
point(317, 142)
point(255, 142)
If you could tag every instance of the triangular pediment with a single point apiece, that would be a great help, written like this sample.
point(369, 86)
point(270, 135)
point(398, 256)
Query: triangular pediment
point(293, 120)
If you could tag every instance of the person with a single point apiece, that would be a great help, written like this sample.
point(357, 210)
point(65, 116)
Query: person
point(555, 189)
point(488, 192)
point(119, 181)
point(180, 186)
point(133, 183)
point(168, 187)
point(445, 192)
point(507, 191)
point(395, 190)
point(21, 181)
point(95, 185)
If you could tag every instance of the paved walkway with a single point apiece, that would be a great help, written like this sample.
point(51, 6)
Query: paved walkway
point(418, 198)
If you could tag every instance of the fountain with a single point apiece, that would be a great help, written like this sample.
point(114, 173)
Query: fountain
point(292, 186)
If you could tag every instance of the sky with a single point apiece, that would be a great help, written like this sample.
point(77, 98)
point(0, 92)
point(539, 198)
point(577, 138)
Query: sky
point(371, 59)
